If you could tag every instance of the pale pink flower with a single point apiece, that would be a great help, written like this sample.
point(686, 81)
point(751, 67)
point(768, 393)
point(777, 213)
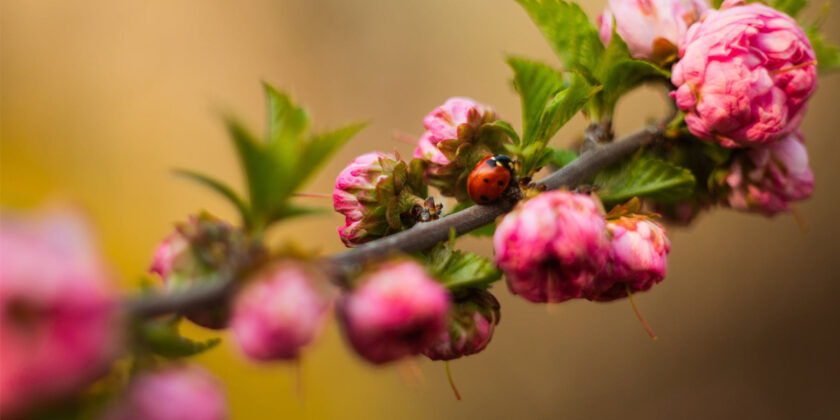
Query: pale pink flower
point(470, 325)
point(552, 246)
point(397, 311)
point(652, 29)
point(638, 257)
point(173, 393)
point(58, 325)
point(278, 312)
point(766, 180)
point(745, 75)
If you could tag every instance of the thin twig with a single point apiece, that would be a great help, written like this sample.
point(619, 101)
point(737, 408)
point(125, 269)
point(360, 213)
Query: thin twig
point(420, 237)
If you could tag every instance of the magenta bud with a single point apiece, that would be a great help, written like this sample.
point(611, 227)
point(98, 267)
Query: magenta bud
point(278, 312)
point(398, 311)
point(552, 246)
point(469, 327)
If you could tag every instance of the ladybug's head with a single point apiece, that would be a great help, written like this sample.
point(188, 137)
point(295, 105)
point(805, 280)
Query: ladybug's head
point(504, 161)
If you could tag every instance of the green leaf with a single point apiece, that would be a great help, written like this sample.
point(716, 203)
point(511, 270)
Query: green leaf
point(567, 28)
point(791, 7)
point(221, 188)
point(828, 57)
point(563, 106)
point(458, 269)
point(548, 103)
point(536, 84)
point(260, 169)
point(504, 127)
point(645, 177)
point(625, 76)
point(320, 147)
point(287, 122)
point(560, 157)
point(161, 337)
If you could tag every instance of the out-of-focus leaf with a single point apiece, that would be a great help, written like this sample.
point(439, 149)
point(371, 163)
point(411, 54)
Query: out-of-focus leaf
point(791, 7)
point(161, 337)
point(221, 188)
point(828, 57)
point(645, 177)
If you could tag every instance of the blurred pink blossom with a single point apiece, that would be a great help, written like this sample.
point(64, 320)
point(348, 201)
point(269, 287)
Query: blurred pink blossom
point(278, 312)
point(397, 311)
point(58, 328)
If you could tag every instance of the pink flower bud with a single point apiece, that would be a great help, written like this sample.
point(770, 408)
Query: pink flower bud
point(638, 256)
point(552, 246)
point(397, 311)
point(766, 180)
point(357, 195)
point(58, 326)
point(278, 312)
point(174, 246)
point(652, 29)
point(174, 393)
point(470, 325)
point(745, 75)
point(457, 119)
point(199, 251)
point(454, 142)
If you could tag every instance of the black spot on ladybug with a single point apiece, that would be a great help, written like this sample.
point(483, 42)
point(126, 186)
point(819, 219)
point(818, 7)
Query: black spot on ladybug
point(500, 183)
point(486, 180)
point(483, 197)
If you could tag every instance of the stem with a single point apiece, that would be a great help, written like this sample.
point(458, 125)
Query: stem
point(639, 314)
point(451, 382)
point(419, 238)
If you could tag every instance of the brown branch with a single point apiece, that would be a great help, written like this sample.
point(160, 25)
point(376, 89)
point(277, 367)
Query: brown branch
point(420, 237)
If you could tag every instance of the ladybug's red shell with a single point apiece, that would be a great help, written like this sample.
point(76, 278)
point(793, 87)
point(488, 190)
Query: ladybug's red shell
point(489, 179)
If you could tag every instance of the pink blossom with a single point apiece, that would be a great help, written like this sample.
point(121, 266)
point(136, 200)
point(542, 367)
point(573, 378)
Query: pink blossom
point(174, 393)
point(638, 256)
point(470, 325)
point(57, 310)
point(766, 180)
point(745, 75)
point(426, 150)
point(652, 29)
point(397, 311)
point(456, 119)
point(278, 312)
point(355, 196)
point(552, 246)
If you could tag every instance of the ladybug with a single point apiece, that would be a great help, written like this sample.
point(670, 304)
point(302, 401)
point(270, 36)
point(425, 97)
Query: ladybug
point(490, 178)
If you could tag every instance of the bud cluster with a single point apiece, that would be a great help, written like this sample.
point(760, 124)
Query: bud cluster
point(559, 246)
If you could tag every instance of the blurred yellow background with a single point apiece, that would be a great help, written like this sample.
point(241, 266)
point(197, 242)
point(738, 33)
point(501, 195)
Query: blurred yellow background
point(100, 99)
